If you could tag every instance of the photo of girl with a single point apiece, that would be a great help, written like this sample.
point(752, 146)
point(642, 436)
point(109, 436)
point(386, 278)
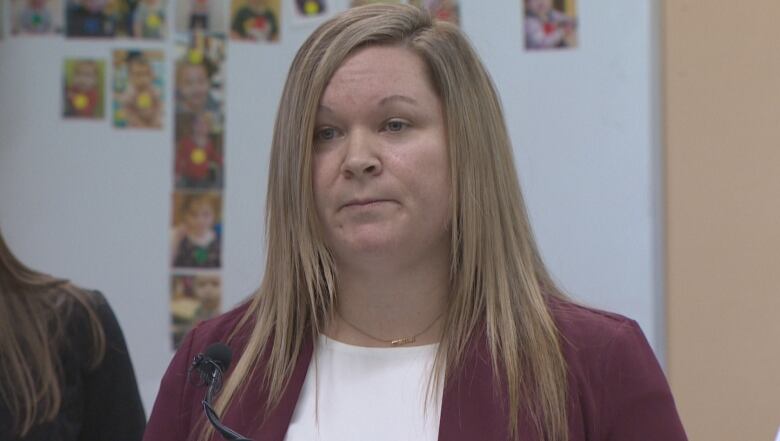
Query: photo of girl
point(90, 18)
point(550, 24)
point(196, 235)
point(194, 298)
point(137, 89)
point(84, 82)
point(198, 157)
point(255, 20)
point(36, 17)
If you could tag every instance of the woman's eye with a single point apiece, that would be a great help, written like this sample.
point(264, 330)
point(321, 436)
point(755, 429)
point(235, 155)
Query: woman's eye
point(396, 125)
point(325, 134)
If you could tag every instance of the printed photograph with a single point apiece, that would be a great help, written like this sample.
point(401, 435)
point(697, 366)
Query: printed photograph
point(194, 298)
point(144, 19)
point(197, 229)
point(308, 11)
point(445, 10)
point(255, 20)
point(36, 17)
point(550, 24)
point(91, 18)
point(83, 85)
point(198, 163)
point(208, 16)
point(138, 85)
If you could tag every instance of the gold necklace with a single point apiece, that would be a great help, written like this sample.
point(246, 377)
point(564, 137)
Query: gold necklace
point(395, 341)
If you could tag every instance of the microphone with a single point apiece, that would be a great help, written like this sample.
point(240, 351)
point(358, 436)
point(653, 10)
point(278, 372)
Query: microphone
point(211, 366)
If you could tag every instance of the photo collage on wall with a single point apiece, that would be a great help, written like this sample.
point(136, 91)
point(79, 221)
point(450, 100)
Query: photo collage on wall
point(199, 151)
point(550, 24)
point(128, 86)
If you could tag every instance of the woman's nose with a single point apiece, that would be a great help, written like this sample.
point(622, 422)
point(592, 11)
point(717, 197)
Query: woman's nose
point(361, 159)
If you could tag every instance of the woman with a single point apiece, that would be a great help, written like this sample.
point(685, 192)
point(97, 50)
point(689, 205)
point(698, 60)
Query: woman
point(395, 218)
point(65, 373)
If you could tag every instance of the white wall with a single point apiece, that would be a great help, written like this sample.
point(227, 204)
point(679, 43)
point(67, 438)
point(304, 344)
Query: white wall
point(86, 201)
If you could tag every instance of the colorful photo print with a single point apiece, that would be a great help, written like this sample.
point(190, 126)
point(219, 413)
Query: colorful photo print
point(197, 230)
point(83, 85)
point(208, 16)
point(138, 85)
point(199, 121)
point(445, 10)
point(194, 298)
point(36, 17)
point(145, 19)
point(198, 163)
point(306, 10)
point(91, 18)
point(255, 20)
point(550, 24)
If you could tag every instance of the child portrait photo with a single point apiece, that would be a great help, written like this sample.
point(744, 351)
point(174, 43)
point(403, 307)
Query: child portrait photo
point(197, 230)
point(550, 24)
point(194, 298)
point(36, 17)
point(138, 85)
point(255, 20)
point(90, 18)
point(83, 86)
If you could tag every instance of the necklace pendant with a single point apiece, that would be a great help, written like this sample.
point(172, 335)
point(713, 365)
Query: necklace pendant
point(402, 341)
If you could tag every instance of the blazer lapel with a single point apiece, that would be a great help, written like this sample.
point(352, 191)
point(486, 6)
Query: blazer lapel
point(473, 406)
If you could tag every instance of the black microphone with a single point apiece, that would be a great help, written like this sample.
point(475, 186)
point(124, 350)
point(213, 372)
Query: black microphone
point(211, 366)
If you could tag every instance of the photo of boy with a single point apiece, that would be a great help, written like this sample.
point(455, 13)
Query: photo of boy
point(90, 18)
point(550, 24)
point(194, 298)
point(444, 10)
point(83, 81)
point(137, 89)
point(255, 20)
point(196, 235)
point(35, 17)
point(198, 158)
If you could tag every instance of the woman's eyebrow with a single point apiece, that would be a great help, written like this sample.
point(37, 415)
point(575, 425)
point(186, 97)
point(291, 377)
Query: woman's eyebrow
point(392, 98)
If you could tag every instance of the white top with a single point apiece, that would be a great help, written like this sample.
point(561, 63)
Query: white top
point(376, 394)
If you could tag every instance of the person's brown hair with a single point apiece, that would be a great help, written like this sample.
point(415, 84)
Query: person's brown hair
point(34, 309)
point(499, 283)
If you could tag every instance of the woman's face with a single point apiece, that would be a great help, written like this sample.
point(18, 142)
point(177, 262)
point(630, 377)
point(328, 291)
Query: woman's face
point(381, 170)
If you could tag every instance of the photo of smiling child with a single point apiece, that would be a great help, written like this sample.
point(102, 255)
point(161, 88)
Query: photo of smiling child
point(83, 83)
point(255, 20)
point(198, 154)
point(36, 17)
point(138, 82)
point(196, 234)
point(550, 24)
point(194, 298)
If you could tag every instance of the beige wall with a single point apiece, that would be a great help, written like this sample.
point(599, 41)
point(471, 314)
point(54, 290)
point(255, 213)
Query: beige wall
point(722, 136)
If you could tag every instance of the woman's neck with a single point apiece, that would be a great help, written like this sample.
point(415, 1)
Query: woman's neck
point(375, 307)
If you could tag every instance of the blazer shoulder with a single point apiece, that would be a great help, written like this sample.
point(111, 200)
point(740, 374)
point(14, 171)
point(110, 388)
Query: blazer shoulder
point(583, 327)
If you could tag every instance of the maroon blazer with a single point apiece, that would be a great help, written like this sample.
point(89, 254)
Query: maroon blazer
point(617, 391)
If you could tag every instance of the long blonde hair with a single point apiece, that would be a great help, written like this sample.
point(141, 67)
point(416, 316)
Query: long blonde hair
point(34, 310)
point(500, 286)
